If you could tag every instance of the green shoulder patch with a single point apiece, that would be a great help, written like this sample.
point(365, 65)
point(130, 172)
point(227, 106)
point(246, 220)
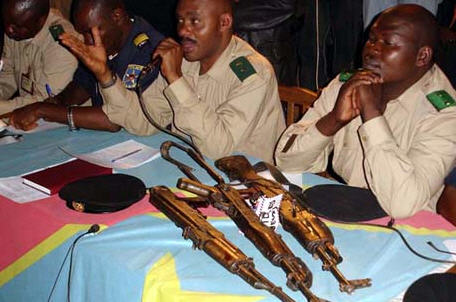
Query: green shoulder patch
point(56, 30)
point(440, 99)
point(345, 76)
point(242, 68)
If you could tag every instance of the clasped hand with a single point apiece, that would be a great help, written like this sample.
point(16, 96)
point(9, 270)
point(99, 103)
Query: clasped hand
point(360, 95)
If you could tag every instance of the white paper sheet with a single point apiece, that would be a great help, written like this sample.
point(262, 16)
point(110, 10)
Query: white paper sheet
point(2, 125)
point(126, 155)
point(13, 188)
point(10, 139)
point(294, 178)
point(42, 126)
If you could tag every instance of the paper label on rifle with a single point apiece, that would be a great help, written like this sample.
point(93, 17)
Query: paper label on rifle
point(267, 209)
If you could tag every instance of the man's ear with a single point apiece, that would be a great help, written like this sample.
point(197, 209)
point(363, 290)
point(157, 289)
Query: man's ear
point(226, 22)
point(424, 56)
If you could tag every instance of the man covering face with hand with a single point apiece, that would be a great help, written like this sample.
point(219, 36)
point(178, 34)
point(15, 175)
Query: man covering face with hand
point(213, 87)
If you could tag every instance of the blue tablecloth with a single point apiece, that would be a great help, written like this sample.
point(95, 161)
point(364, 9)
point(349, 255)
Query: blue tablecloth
point(145, 258)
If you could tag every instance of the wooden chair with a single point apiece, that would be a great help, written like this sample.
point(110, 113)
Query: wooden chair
point(297, 100)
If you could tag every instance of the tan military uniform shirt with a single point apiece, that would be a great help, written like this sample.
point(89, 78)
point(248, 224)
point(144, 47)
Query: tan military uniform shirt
point(402, 156)
point(31, 64)
point(218, 110)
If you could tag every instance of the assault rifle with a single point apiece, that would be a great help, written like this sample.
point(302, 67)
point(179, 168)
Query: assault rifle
point(207, 238)
point(226, 198)
point(306, 227)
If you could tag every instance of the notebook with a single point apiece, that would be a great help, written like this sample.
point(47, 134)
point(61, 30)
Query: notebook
point(52, 179)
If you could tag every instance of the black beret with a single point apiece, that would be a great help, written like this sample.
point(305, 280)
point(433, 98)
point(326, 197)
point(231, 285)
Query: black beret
point(343, 203)
point(103, 193)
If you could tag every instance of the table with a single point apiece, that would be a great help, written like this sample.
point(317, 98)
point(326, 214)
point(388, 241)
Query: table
point(141, 256)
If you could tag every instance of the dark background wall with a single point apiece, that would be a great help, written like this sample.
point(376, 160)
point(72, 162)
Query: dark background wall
point(159, 13)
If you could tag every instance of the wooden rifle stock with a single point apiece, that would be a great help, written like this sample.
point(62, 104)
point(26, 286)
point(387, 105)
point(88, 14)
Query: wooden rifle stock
point(306, 227)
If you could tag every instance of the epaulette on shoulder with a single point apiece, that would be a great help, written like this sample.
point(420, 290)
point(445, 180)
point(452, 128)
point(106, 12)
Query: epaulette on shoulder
point(140, 40)
point(441, 99)
point(56, 29)
point(242, 68)
point(345, 76)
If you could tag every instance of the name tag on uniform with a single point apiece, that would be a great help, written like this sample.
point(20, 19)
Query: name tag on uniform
point(26, 83)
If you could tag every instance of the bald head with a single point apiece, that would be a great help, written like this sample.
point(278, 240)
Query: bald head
point(23, 19)
point(101, 5)
point(424, 24)
point(20, 7)
point(109, 16)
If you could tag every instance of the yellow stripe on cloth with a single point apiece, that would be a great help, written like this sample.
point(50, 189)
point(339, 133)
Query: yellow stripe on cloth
point(412, 230)
point(40, 250)
point(162, 284)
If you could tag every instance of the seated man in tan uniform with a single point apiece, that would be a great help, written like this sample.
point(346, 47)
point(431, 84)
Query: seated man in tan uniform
point(213, 86)
point(32, 58)
point(128, 41)
point(391, 126)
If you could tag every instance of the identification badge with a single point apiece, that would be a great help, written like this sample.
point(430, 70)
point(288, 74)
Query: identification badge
point(26, 83)
point(131, 75)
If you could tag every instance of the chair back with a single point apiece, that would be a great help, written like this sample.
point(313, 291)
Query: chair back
point(296, 100)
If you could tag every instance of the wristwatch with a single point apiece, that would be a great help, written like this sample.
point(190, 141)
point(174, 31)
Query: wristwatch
point(110, 83)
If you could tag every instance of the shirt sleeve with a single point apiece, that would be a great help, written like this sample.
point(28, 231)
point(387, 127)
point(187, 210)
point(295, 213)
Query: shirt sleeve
point(59, 65)
point(8, 85)
point(404, 182)
point(302, 147)
point(122, 107)
point(217, 131)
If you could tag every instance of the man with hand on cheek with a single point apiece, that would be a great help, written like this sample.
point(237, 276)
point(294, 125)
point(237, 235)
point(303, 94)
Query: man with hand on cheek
point(128, 42)
point(391, 126)
point(213, 87)
point(33, 61)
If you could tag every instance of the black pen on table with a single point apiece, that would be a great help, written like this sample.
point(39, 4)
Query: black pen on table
point(125, 155)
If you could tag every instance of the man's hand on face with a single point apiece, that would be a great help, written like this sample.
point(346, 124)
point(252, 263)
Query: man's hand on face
point(351, 99)
point(93, 56)
point(25, 118)
point(171, 54)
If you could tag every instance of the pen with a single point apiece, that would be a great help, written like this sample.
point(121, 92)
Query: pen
point(49, 91)
point(125, 155)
